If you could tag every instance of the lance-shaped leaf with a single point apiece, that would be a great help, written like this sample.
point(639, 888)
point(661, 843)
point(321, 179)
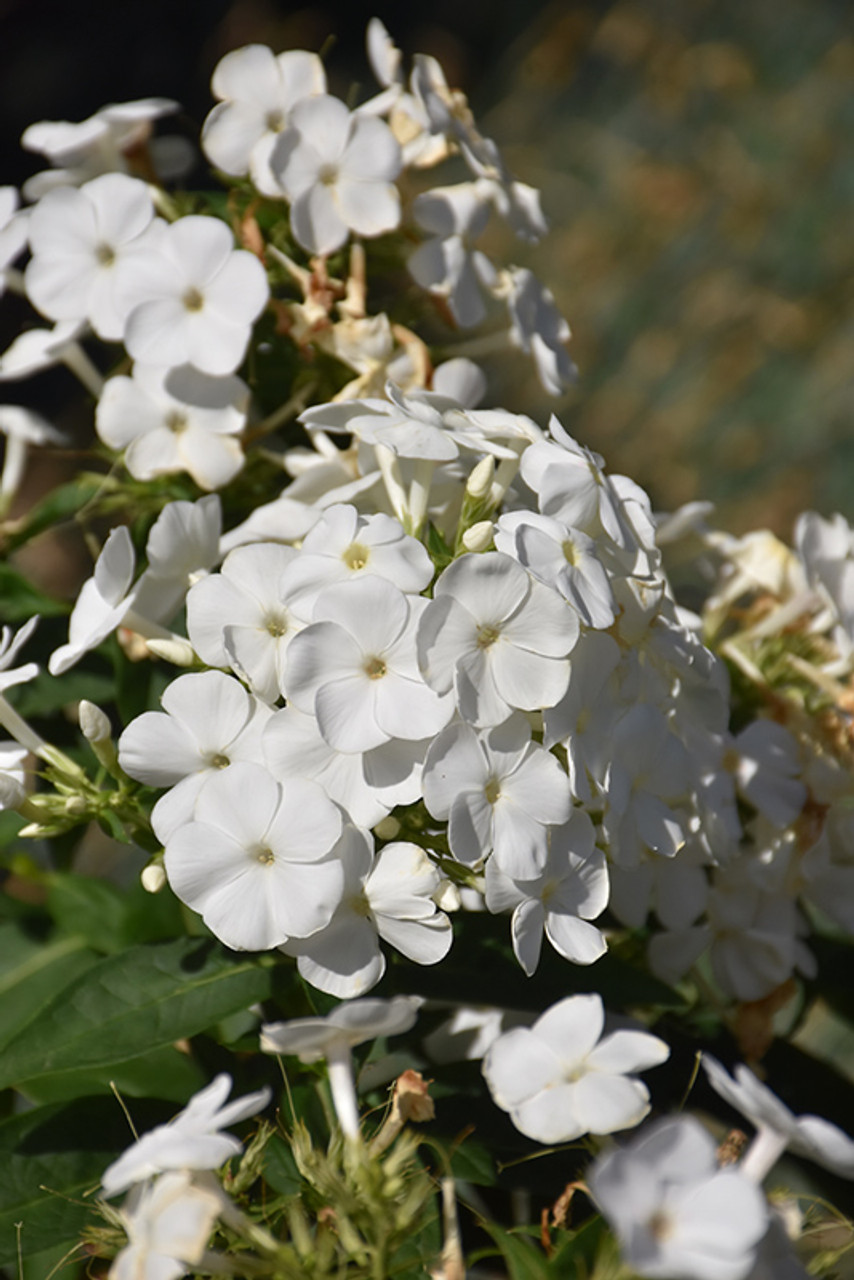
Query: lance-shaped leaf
point(128, 1004)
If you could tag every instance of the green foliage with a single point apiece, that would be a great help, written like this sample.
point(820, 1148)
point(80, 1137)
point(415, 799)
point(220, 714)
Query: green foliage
point(131, 1003)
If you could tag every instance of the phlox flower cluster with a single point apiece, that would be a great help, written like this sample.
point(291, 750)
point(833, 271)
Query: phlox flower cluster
point(440, 668)
point(111, 258)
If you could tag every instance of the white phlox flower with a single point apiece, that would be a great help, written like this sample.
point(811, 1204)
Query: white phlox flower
point(499, 791)
point(497, 637)
point(21, 428)
point(103, 603)
point(571, 486)
point(168, 1224)
point(447, 265)
point(355, 668)
point(192, 1140)
point(777, 1128)
point(571, 890)
point(560, 1079)
point(675, 1212)
point(338, 170)
point(255, 859)
point(768, 771)
point(208, 722)
point(469, 1031)
point(581, 721)
point(563, 558)
point(182, 545)
point(13, 775)
point(367, 785)
point(677, 889)
point(408, 121)
point(461, 380)
point(192, 297)
point(257, 91)
point(825, 549)
point(243, 619)
point(104, 143)
point(754, 937)
point(345, 545)
point(175, 419)
point(516, 202)
point(37, 349)
point(388, 896)
point(10, 647)
point(83, 241)
point(13, 231)
point(647, 773)
point(537, 327)
point(333, 1037)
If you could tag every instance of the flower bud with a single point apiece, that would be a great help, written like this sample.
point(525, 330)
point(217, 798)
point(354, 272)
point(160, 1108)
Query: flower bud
point(387, 828)
point(480, 480)
point(179, 652)
point(94, 723)
point(447, 896)
point(153, 877)
point(479, 536)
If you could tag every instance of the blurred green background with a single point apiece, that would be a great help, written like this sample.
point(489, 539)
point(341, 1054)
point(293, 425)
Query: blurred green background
point(697, 167)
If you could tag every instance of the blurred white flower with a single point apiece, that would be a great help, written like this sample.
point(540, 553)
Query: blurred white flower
point(676, 1213)
point(168, 1224)
point(190, 1141)
point(103, 144)
point(559, 1079)
point(777, 1128)
point(334, 1036)
point(447, 265)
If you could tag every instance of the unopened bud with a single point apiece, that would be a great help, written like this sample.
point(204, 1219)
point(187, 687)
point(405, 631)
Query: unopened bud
point(387, 828)
point(447, 896)
point(76, 806)
point(480, 480)
point(94, 723)
point(153, 877)
point(179, 652)
point(479, 536)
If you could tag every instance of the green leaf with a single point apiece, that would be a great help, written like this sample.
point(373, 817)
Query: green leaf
point(89, 908)
point(524, 1260)
point(280, 1168)
point(472, 1162)
point(163, 1073)
point(49, 1158)
point(59, 506)
point(21, 599)
point(129, 1004)
point(32, 973)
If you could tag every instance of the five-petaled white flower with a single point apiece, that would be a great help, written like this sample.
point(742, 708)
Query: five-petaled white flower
point(559, 1079)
